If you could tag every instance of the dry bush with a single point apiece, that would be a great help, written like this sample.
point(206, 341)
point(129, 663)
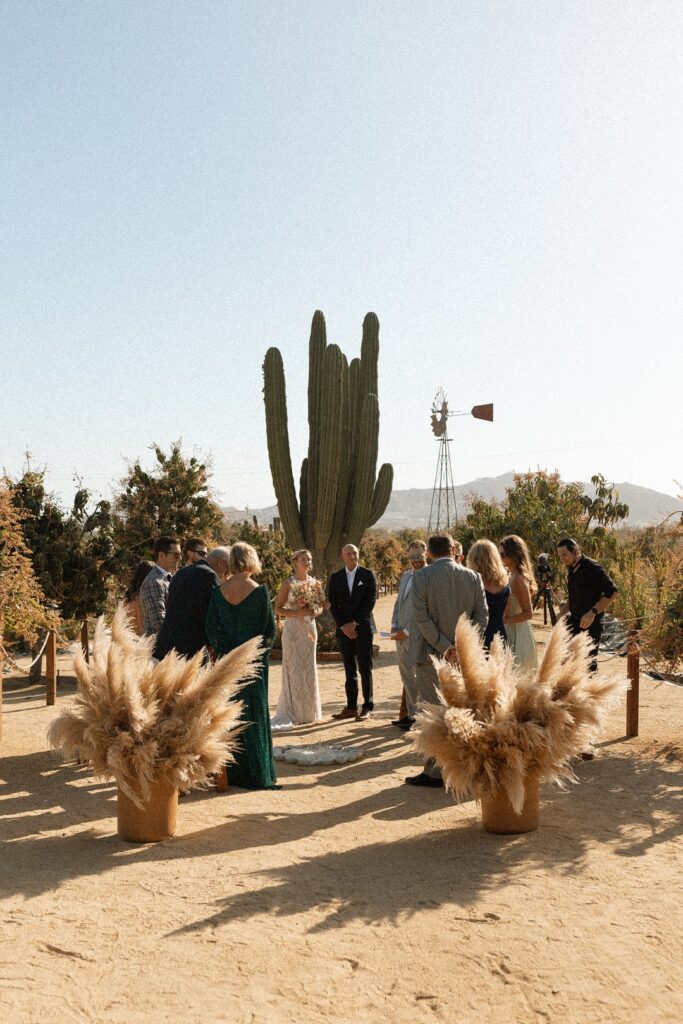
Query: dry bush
point(142, 722)
point(496, 725)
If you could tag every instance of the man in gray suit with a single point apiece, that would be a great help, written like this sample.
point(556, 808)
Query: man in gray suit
point(442, 592)
point(402, 626)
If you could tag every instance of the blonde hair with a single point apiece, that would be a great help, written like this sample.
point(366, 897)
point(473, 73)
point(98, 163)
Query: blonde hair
point(516, 550)
point(484, 558)
point(297, 555)
point(243, 558)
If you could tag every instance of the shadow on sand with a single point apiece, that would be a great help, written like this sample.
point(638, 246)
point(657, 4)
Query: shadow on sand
point(627, 803)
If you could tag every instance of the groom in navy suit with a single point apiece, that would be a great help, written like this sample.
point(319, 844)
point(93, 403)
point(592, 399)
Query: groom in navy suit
point(352, 593)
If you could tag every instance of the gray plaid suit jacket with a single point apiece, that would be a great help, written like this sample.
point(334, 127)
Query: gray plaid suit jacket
point(442, 592)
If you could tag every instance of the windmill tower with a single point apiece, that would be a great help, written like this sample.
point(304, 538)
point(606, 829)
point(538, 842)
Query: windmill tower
point(443, 512)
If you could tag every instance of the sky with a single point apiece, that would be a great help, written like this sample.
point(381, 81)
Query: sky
point(183, 184)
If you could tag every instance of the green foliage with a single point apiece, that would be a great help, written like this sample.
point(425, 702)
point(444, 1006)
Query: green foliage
point(649, 573)
point(21, 611)
point(604, 508)
point(174, 498)
point(541, 508)
point(386, 556)
point(339, 496)
point(272, 550)
point(70, 549)
point(405, 537)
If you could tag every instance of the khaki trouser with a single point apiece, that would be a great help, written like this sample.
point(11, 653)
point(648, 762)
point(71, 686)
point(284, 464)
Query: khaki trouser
point(427, 689)
point(408, 676)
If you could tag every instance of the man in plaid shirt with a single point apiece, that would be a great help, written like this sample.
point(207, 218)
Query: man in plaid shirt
point(154, 590)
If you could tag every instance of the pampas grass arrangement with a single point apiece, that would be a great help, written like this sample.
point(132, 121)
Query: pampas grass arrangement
point(497, 726)
point(144, 723)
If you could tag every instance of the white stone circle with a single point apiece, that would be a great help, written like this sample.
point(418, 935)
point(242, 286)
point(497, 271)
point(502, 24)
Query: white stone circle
point(317, 754)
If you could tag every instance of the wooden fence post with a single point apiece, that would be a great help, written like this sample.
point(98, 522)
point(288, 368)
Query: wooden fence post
point(51, 667)
point(633, 695)
point(85, 640)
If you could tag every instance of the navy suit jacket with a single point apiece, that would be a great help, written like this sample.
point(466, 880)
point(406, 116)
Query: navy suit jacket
point(189, 593)
point(355, 606)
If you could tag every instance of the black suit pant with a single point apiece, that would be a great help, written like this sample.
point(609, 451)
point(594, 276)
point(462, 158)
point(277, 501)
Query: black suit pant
point(357, 655)
point(594, 632)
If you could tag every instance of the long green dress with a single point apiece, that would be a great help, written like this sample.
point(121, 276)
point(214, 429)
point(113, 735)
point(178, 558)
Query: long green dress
point(228, 626)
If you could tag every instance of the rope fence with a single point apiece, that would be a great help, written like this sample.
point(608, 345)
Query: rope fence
point(628, 647)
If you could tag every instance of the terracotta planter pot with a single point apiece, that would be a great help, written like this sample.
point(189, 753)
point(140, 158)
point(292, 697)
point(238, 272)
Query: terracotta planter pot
point(498, 816)
point(154, 822)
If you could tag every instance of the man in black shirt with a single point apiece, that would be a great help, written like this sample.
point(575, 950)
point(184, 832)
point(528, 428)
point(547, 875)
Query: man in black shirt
point(589, 593)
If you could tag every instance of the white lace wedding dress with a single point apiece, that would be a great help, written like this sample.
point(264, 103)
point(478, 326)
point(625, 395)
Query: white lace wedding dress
point(299, 702)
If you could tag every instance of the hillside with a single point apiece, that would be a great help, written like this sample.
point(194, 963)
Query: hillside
point(411, 507)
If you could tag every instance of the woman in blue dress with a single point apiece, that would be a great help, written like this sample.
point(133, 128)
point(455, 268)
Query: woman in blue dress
point(483, 558)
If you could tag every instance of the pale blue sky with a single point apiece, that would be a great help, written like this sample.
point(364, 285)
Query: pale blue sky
point(183, 184)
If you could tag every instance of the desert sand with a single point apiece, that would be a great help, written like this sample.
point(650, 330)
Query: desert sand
point(346, 896)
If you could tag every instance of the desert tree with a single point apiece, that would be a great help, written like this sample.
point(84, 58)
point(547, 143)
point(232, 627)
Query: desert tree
point(174, 497)
point(21, 599)
point(70, 548)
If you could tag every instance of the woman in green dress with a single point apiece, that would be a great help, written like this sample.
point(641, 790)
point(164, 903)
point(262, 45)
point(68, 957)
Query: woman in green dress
point(239, 610)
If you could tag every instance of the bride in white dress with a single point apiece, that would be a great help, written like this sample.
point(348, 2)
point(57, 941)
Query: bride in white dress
point(299, 702)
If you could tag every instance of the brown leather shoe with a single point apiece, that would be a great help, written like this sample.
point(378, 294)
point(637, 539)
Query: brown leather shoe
point(346, 713)
point(363, 714)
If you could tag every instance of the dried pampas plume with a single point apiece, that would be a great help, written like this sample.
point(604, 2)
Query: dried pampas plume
point(142, 722)
point(496, 725)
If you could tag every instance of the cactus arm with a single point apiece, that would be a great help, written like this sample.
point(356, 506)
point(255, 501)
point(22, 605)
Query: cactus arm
point(369, 355)
point(355, 404)
point(277, 433)
point(317, 345)
point(381, 494)
point(334, 543)
point(330, 434)
point(364, 477)
point(303, 494)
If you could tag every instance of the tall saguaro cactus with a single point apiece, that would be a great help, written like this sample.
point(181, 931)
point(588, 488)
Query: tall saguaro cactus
point(339, 497)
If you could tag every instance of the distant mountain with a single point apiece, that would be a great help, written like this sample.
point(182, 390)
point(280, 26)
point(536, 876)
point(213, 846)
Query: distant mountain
point(411, 508)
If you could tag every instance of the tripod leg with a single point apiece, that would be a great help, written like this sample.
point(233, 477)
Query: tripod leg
point(553, 613)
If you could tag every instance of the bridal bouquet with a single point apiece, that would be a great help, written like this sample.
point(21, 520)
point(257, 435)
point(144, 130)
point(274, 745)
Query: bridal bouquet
point(308, 594)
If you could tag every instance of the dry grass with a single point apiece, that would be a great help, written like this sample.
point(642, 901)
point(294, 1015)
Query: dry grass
point(140, 721)
point(496, 724)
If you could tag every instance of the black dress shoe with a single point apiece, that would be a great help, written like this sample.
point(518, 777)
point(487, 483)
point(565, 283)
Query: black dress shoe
point(424, 780)
point(407, 725)
point(403, 723)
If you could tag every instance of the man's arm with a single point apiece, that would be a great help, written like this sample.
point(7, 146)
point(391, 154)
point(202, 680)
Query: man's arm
point(153, 598)
point(605, 586)
point(397, 602)
point(427, 627)
point(338, 606)
point(369, 598)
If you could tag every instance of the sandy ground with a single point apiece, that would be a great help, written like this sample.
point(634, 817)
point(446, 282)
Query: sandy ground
point(347, 895)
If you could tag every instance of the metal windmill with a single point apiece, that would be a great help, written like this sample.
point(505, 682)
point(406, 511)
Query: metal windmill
point(443, 513)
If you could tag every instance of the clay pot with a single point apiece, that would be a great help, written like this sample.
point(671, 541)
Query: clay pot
point(498, 816)
point(152, 823)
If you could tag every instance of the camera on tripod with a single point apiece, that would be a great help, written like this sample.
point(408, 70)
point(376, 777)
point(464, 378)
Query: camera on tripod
point(544, 575)
point(544, 570)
